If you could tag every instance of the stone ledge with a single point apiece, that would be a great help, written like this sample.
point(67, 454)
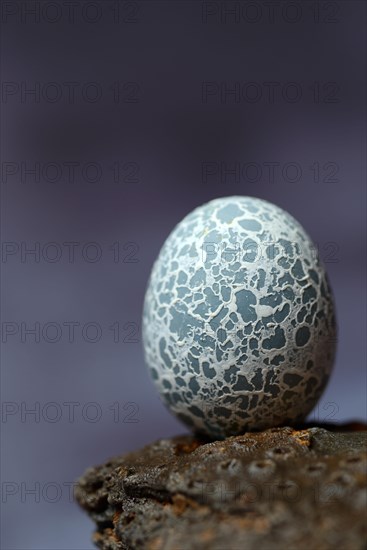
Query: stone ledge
point(281, 488)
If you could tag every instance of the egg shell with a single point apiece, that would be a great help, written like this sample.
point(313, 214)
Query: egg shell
point(239, 327)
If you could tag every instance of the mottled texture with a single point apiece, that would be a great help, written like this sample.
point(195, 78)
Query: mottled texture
point(238, 323)
point(282, 488)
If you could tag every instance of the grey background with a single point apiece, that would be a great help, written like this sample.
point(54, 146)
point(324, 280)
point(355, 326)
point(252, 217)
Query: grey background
point(167, 49)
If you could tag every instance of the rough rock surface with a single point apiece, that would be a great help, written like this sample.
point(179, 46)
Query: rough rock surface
point(276, 489)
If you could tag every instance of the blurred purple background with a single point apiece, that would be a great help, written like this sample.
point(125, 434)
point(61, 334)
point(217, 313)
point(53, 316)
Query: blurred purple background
point(168, 96)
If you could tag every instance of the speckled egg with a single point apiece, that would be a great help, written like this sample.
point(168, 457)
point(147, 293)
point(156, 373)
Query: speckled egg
point(238, 326)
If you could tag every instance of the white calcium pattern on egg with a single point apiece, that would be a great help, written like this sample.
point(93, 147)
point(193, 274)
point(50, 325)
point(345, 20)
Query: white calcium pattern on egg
point(239, 328)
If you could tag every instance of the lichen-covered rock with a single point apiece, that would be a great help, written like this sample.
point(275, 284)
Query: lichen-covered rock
point(280, 488)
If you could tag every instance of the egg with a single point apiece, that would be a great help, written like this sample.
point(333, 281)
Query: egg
point(238, 327)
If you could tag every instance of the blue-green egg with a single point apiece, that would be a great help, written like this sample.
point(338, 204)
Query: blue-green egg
point(239, 328)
